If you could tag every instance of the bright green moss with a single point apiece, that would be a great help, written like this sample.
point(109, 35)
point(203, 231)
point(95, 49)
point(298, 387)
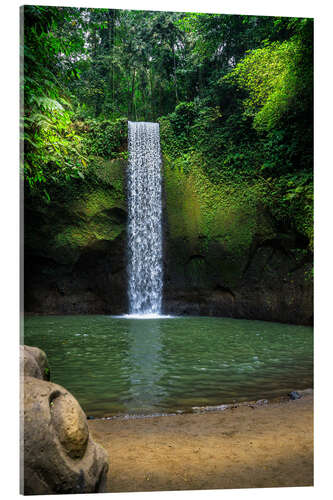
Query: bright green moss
point(79, 217)
point(70, 240)
point(112, 172)
point(95, 202)
point(217, 221)
point(199, 209)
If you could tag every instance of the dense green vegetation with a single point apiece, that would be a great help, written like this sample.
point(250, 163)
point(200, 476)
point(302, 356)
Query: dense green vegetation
point(233, 96)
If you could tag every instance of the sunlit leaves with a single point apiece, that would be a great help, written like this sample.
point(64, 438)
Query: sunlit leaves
point(269, 76)
point(53, 151)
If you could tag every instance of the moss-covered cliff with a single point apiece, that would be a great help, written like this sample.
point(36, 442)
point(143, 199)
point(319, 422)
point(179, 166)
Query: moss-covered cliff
point(224, 254)
point(75, 245)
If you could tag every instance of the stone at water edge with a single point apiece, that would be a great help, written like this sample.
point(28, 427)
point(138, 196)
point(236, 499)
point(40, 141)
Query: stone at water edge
point(294, 395)
point(34, 363)
point(59, 454)
point(261, 402)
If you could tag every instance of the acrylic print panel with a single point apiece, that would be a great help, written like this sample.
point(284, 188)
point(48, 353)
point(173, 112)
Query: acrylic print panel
point(168, 236)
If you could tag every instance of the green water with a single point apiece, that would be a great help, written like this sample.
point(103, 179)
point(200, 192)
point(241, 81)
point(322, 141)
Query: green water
point(139, 366)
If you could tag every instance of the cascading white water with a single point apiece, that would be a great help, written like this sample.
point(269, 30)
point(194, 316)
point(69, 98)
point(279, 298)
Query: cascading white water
point(144, 185)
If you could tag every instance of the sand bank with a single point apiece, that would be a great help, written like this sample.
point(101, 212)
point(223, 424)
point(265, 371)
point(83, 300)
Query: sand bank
point(269, 445)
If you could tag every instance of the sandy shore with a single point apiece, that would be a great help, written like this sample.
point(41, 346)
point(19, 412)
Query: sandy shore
point(268, 445)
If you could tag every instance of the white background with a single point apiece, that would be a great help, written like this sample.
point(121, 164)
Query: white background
point(10, 241)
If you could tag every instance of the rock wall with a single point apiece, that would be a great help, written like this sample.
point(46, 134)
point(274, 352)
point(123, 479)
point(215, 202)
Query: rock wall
point(75, 248)
point(224, 255)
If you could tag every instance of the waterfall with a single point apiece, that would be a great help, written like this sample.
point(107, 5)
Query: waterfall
point(144, 229)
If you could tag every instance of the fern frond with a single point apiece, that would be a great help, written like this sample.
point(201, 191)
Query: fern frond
point(49, 104)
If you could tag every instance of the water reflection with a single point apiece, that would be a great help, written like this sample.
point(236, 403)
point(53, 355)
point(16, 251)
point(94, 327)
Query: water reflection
point(126, 365)
point(144, 359)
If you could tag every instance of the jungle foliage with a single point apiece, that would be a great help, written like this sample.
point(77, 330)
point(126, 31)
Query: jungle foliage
point(233, 94)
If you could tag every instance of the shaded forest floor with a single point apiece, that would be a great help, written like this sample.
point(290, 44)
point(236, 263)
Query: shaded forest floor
point(242, 447)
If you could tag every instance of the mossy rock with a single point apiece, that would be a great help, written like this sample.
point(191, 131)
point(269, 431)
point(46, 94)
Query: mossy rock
point(111, 172)
point(218, 222)
point(76, 219)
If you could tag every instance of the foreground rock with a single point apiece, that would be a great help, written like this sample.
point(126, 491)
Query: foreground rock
point(34, 363)
point(59, 454)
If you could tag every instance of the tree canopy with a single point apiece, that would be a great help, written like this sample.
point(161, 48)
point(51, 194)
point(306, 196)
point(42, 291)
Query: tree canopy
point(233, 93)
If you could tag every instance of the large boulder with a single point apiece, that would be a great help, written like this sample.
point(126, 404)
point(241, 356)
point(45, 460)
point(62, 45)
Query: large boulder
point(34, 363)
point(59, 454)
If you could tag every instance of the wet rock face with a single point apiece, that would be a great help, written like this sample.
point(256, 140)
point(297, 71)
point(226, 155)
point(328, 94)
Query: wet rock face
point(95, 284)
point(59, 454)
point(223, 253)
point(34, 363)
point(75, 247)
point(268, 285)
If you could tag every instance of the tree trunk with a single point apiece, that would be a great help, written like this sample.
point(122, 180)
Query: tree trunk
point(133, 107)
point(111, 40)
point(174, 72)
point(150, 87)
point(200, 79)
point(128, 99)
point(143, 88)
